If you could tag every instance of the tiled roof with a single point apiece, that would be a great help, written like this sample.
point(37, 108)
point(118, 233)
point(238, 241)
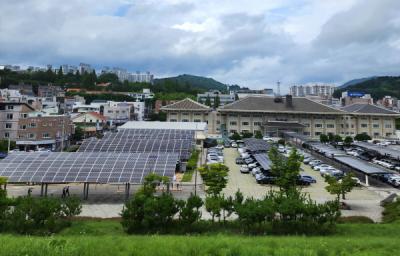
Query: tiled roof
point(186, 104)
point(271, 104)
point(368, 109)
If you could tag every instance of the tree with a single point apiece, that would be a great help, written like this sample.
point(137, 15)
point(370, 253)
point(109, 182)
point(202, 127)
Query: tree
point(79, 134)
point(323, 138)
point(247, 135)
point(287, 170)
point(213, 205)
point(215, 177)
point(337, 138)
point(235, 136)
point(216, 101)
point(348, 140)
point(190, 209)
point(340, 187)
point(258, 135)
point(331, 137)
point(362, 137)
point(208, 101)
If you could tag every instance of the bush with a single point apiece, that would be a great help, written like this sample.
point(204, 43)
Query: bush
point(362, 137)
point(392, 211)
point(192, 162)
point(41, 215)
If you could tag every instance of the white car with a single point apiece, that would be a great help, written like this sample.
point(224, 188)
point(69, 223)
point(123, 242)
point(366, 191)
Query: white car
point(242, 150)
point(253, 165)
point(321, 166)
point(234, 145)
point(255, 171)
point(244, 169)
point(326, 171)
point(220, 146)
point(315, 163)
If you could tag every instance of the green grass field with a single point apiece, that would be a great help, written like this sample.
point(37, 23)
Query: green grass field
point(107, 238)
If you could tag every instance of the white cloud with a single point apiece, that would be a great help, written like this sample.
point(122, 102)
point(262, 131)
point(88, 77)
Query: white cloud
point(252, 43)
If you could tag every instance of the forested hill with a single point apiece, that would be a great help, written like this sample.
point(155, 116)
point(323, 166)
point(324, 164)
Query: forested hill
point(196, 82)
point(378, 87)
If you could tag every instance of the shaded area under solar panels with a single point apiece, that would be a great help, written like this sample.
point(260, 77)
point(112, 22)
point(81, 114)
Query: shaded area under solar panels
point(93, 167)
point(381, 150)
point(256, 145)
point(264, 161)
point(360, 165)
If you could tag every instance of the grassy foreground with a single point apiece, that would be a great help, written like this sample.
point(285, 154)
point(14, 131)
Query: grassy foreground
point(107, 238)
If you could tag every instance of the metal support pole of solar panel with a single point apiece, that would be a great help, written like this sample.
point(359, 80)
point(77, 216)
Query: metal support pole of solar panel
point(41, 189)
point(127, 191)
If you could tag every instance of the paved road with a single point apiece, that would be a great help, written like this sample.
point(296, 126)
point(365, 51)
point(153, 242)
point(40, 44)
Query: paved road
point(363, 201)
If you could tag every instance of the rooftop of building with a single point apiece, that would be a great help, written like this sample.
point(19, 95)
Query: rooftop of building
point(195, 126)
point(360, 108)
point(186, 104)
point(262, 103)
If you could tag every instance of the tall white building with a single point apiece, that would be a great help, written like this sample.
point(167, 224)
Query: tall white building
point(123, 74)
point(312, 90)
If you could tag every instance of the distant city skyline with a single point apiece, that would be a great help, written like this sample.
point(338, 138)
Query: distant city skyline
point(253, 45)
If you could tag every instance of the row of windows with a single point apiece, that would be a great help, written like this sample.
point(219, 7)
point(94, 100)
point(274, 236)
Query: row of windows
point(185, 114)
point(186, 120)
point(233, 123)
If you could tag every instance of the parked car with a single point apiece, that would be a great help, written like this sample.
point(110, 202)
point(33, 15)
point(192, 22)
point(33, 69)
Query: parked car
point(234, 145)
point(263, 179)
point(315, 163)
point(248, 160)
point(326, 171)
point(220, 146)
point(321, 166)
point(307, 160)
point(256, 171)
point(239, 160)
point(303, 181)
point(310, 178)
point(244, 169)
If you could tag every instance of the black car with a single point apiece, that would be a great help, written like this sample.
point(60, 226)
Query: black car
point(262, 179)
point(303, 181)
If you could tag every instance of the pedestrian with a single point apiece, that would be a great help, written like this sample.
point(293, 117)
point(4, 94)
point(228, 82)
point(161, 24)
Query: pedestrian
point(67, 191)
point(174, 181)
point(29, 191)
point(63, 193)
point(177, 186)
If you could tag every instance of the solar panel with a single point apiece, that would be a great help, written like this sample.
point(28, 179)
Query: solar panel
point(256, 145)
point(143, 140)
point(263, 160)
point(98, 167)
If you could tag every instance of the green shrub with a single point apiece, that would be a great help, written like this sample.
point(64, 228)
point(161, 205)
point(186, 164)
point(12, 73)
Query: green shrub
point(392, 211)
point(355, 219)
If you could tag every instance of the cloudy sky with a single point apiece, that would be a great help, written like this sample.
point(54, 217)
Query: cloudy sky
point(252, 43)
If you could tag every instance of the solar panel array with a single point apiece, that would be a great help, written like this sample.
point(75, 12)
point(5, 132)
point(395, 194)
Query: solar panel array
point(143, 140)
point(256, 145)
point(96, 167)
point(264, 161)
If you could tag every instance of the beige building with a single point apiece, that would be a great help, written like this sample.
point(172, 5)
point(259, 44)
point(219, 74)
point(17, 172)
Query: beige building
point(187, 110)
point(272, 115)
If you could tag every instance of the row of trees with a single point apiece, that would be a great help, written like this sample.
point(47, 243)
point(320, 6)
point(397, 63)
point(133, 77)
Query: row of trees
point(347, 140)
point(287, 210)
point(29, 215)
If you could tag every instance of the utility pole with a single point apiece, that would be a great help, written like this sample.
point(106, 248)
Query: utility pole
point(9, 144)
point(62, 135)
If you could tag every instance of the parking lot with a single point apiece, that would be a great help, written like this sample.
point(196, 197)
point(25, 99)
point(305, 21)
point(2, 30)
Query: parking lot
point(363, 201)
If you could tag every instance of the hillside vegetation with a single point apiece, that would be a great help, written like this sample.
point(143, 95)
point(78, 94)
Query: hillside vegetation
point(196, 82)
point(378, 87)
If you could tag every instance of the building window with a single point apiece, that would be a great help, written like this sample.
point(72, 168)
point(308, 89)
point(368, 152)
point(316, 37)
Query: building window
point(110, 111)
point(45, 135)
point(317, 133)
point(257, 123)
point(306, 133)
point(375, 125)
point(185, 114)
point(364, 125)
point(197, 120)
point(32, 125)
point(245, 123)
point(245, 116)
point(232, 131)
point(10, 116)
point(388, 134)
point(245, 131)
point(10, 107)
point(232, 123)
point(388, 126)
point(375, 119)
point(173, 114)
point(8, 126)
point(185, 120)
point(6, 135)
point(232, 115)
point(330, 126)
point(197, 114)
point(22, 127)
point(31, 135)
point(376, 134)
point(172, 120)
point(23, 115)
point(318, 125)
point(306, 124)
